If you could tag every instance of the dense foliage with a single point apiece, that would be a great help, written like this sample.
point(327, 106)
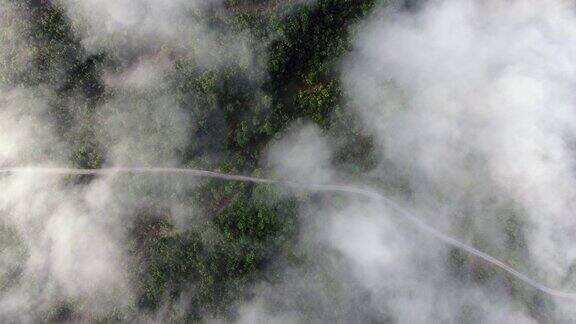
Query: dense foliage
point(237, 114)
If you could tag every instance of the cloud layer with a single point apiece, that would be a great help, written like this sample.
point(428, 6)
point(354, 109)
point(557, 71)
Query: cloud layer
point(471, 104)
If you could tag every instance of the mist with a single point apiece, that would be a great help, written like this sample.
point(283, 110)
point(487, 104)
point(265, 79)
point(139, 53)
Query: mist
point(467, 106)
point(470, 104)
point(67, 241)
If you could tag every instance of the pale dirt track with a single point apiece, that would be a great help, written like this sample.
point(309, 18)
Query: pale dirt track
point(311, 187)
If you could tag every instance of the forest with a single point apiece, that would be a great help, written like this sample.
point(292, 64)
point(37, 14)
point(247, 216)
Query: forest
point(296, 51)
point(460, 112)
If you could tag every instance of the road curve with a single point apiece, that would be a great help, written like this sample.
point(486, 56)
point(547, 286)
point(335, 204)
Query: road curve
point(310, 187)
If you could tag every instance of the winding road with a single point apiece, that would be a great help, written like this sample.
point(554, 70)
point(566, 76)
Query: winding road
point(310, 187)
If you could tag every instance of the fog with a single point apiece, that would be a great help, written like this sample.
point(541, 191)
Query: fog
point(472, 103)
point(470, 108)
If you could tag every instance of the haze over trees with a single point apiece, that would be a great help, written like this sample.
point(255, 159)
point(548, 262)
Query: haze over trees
point(461, 110)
